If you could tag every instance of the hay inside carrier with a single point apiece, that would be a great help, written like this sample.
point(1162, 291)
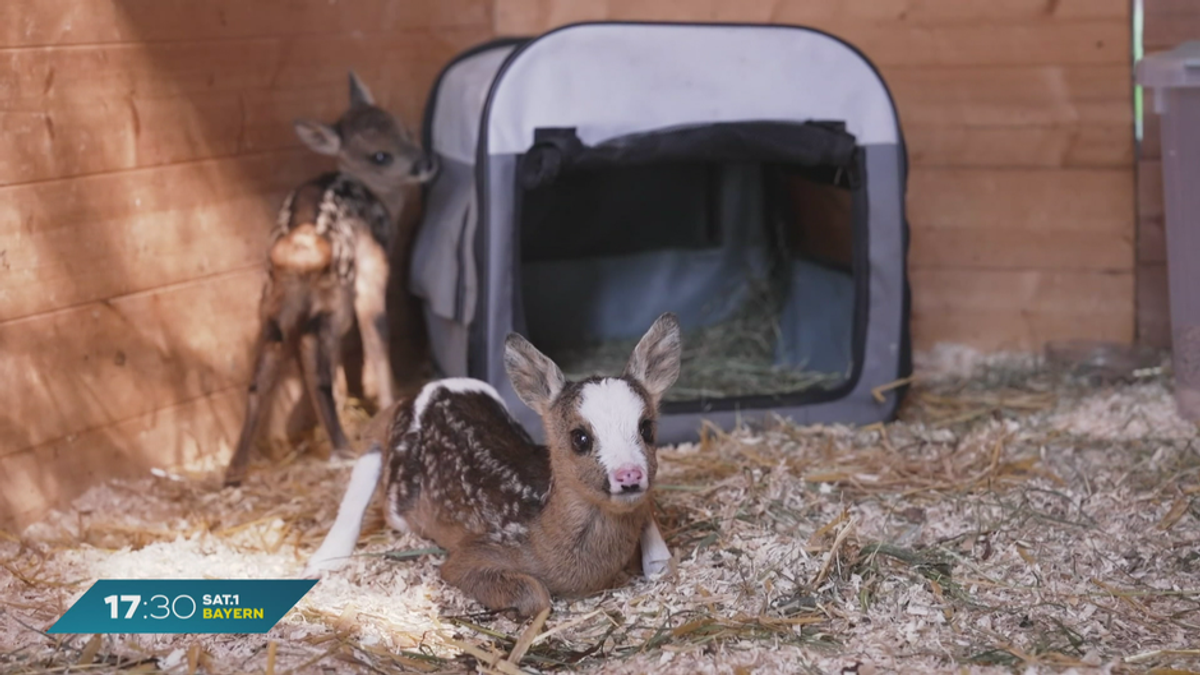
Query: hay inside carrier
point(735, 357)
point(755, 258)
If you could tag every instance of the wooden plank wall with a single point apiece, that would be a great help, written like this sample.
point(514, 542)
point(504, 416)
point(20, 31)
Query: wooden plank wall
point(1019, 120)
point(1166, 24)
point(146, 145)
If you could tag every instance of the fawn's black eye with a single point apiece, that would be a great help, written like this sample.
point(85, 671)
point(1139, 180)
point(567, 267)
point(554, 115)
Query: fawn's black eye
point(646, 429)
point(381, 158)
point(581, 441)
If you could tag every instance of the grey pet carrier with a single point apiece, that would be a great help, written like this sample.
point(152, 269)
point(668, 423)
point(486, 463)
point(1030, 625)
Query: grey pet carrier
point(749, 178)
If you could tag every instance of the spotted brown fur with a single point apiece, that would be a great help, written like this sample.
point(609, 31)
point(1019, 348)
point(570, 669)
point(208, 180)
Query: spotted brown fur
point(328, 265)
point(469, 468)
point(522, 521)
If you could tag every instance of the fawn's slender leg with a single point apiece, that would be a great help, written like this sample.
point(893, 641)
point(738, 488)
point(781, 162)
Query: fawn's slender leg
point(476, 572)
point(269, 356)
point(370, 306)
point(318, 361)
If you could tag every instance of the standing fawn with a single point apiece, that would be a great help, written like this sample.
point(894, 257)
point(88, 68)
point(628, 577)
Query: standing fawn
point(521, 521)
point(328, 264)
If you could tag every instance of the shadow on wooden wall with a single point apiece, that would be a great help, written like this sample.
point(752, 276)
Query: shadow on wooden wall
point(148, 145)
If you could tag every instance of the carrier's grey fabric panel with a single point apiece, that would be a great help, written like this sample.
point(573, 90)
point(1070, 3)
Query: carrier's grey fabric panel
point(461, 96)
point(448, 344)
point(499, 287)
point(609, 80)
point(443, 270)
point(881, 353)
point(885, 258)
point(817, 321)
point(885, 190)
point(443, 262)
point(596, 299)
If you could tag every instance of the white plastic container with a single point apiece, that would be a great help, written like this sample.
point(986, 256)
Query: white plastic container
point(1174, 78)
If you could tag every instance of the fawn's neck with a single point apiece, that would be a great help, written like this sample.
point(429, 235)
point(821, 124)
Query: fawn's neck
point(394, 202)
point(583, 543)
point(393, 197)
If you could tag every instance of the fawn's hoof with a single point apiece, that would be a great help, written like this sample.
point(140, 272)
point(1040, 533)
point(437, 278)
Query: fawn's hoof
point(319, 569)
point(532, 601)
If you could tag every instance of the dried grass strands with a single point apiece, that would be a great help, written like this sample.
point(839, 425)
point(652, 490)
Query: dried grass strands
point(88, 655)
point(527, 637)
point(735, 357)
point(1158, 653)
point(962, 535)
point(489, 661)
point(569, 624)
point(943, 410)
point(833, 552)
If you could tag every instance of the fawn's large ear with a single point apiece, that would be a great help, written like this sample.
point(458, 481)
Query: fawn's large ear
point(655, 360)
point(359, 93)
point(535, 378)
point(320, 138)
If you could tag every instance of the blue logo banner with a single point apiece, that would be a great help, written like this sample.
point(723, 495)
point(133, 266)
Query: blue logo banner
point(182, 606)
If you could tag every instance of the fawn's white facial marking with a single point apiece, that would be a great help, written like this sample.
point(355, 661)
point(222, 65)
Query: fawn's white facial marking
point(456, 385)
point(614, 411)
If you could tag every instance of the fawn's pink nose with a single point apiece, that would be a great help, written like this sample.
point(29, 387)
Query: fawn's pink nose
point(628, 477)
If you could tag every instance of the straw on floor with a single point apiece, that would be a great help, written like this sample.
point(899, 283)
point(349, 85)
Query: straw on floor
point(1012, 521)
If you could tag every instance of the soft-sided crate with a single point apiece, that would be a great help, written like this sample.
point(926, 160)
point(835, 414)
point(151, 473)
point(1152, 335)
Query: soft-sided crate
point(603, 173)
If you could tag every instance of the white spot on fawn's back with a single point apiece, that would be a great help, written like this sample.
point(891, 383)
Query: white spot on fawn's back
point(458, 385)
point(397, 523)
point(614, 411)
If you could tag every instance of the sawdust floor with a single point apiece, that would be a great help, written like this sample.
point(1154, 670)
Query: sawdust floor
point(1011, 521)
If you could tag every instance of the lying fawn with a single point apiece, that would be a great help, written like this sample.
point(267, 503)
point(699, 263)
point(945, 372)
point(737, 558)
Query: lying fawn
point(328, 264)
point(521, 521)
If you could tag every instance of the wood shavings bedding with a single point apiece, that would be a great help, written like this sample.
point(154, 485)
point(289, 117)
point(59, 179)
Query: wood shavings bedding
point(1009, 521)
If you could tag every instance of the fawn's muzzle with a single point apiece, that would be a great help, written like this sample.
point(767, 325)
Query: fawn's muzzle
point(628, 479)
point(425, 168)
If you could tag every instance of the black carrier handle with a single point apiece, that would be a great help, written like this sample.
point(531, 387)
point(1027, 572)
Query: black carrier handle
point(553, 151)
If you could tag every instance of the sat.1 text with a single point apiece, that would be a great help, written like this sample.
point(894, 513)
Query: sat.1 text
point(223, 599)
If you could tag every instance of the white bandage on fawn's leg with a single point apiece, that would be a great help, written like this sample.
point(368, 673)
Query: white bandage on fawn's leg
point(397, 523)
point(656, 557)
point(342, 537)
